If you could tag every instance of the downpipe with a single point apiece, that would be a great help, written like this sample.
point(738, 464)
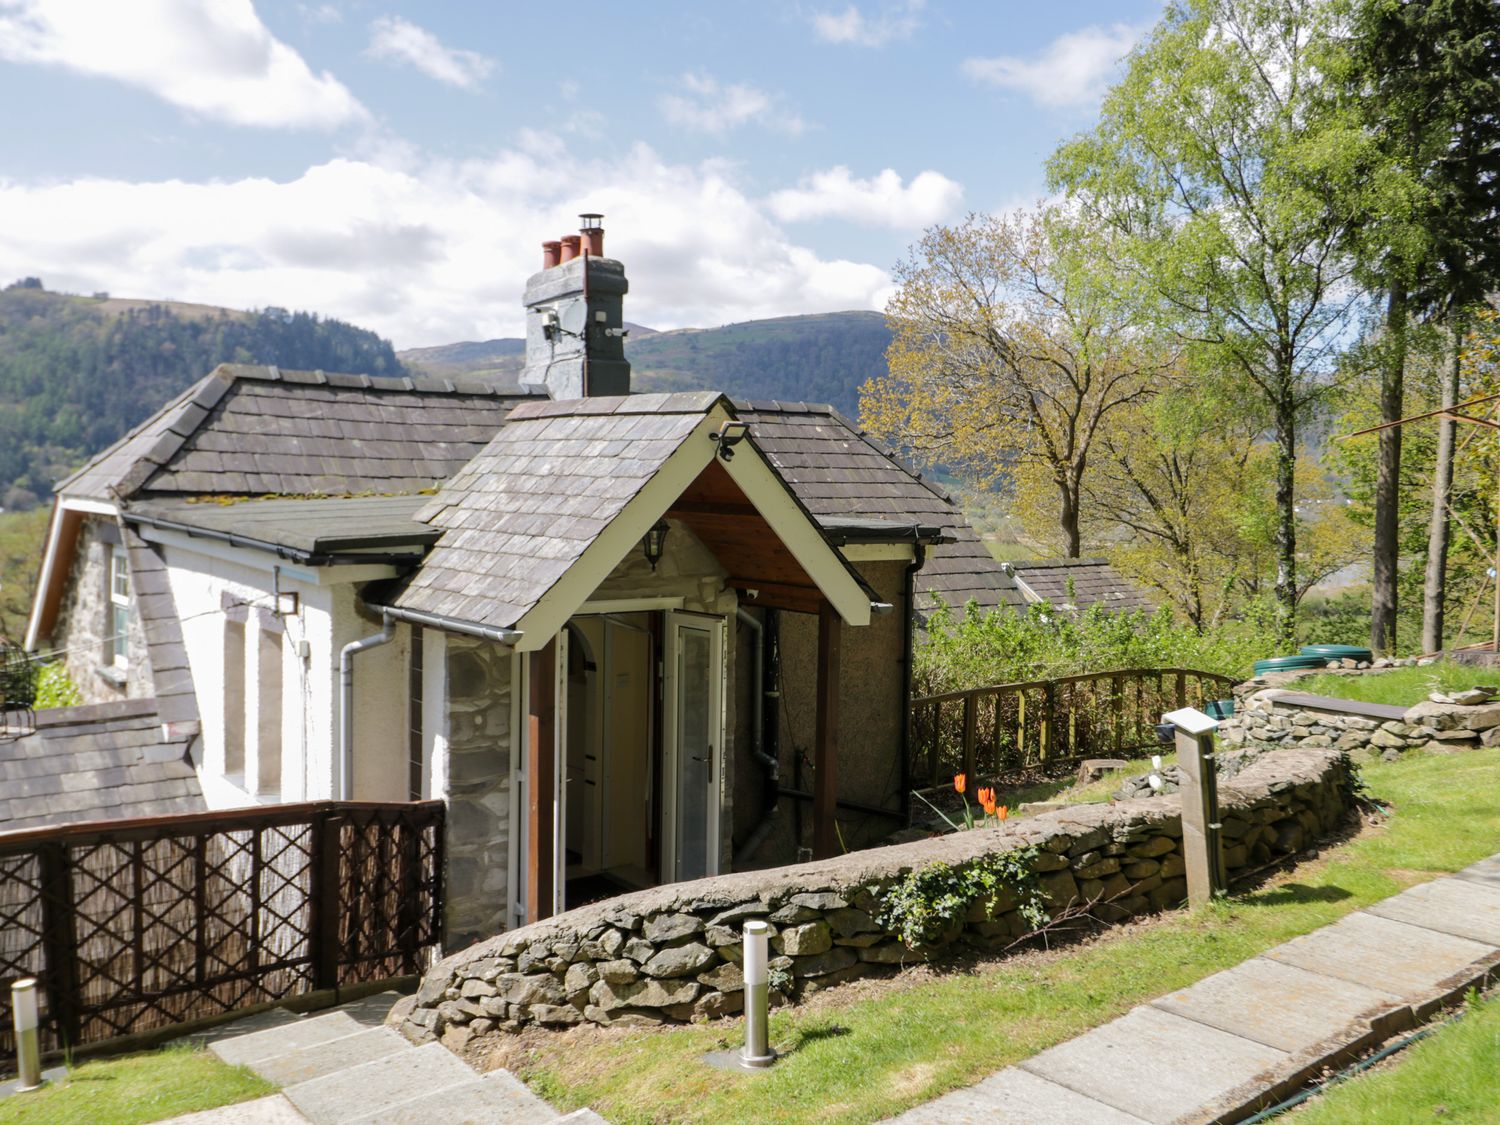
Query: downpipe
point(386, 635)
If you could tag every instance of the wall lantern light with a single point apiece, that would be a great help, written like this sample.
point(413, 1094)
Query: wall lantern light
point(730, 435)
point(655, 540)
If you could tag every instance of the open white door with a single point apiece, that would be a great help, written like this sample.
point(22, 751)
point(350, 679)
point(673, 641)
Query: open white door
point(693, 722)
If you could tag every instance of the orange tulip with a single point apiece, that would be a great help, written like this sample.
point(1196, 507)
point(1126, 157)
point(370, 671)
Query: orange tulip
point(960, 782)
point(986, 796)
point(1002, 812)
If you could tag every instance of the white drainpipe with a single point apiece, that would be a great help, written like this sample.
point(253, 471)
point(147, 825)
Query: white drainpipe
point(346, 702)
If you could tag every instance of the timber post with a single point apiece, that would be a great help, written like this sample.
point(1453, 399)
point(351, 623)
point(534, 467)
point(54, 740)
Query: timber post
point(1202, 847)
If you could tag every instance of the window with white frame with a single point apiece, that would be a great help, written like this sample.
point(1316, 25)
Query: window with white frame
point(117, 625)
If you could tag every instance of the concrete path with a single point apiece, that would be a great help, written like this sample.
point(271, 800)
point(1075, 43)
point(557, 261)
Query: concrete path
point(1247, 1037)
point(344, 1067)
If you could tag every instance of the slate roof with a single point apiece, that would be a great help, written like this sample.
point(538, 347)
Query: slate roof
point(837, 470)
point(1094, 582)
point(96, 762)
point(252, 430)
point(309, 526)
point(524, 510)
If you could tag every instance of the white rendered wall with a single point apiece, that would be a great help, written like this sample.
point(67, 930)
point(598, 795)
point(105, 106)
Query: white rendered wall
point(204, 577)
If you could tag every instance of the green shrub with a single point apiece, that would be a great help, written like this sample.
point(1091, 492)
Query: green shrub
point(927, 905)
point(975, 648)
point(54, 688)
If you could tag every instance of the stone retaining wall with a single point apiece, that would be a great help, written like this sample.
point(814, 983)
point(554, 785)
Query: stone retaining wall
point(672, 953)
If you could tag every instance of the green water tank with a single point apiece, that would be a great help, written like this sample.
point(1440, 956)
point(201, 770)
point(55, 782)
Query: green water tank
point(1297, 663)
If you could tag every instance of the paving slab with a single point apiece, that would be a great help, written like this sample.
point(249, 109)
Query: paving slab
point(582, 1117)
point(1410, 961)
point(1486, 871)
point(1016, 1097)
point(1286, 1007)
point(272, 1110)
point(307, 1063)
point(499, 1098)
point(1153, 1064)
point(280, 1040)
point(1461, 907)
point(374, 1087)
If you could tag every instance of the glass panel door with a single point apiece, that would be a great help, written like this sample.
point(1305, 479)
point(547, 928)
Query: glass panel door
point(695, 726)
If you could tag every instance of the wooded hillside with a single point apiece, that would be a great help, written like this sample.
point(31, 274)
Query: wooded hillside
point(77, 372)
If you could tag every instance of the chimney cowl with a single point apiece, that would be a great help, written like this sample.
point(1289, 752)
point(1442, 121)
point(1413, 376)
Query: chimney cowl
point(592, 233)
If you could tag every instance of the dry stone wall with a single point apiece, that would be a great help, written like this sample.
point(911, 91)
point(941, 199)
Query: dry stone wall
point(672, 953)
point(1271, 717)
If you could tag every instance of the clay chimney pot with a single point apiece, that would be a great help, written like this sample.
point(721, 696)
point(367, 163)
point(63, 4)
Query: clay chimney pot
point(569, 247)
point(551, 252)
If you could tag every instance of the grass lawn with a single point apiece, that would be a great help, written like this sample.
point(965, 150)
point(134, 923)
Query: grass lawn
point(150, 1086)
point(871, 1050)
point(1400, 686)
point(1453, 1076)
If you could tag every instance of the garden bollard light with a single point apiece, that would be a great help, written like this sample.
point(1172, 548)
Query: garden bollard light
point(28, 1052)
point(757, 1052)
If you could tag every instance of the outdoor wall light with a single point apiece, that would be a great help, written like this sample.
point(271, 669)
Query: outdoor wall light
point(730, 435)
point(655, 540)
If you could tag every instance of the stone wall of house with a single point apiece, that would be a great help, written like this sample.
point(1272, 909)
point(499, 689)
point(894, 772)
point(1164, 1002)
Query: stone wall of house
point(83, 622)
point(672, 953)
point(477, 882)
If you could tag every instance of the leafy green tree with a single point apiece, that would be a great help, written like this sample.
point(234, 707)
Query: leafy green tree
point(1425, 75)
point(1014, 349)
point(1232, 180)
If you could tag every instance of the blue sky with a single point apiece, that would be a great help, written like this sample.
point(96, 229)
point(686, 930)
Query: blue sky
point(397, 164)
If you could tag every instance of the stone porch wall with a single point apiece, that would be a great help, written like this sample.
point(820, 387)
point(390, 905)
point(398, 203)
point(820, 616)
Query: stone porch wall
point(672, 953)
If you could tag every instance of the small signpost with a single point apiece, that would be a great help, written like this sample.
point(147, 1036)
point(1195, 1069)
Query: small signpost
point(1202, 849)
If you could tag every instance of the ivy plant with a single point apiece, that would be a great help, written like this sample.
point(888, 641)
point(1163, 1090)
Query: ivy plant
point(925, 905)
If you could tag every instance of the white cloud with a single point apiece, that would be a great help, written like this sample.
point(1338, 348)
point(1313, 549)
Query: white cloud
point(881, 200)
point(213, 58)
point(397, 40)
point(1072, 70)
point(429, 251)
point(320, 13)
point(850, 25)
point(708, 105)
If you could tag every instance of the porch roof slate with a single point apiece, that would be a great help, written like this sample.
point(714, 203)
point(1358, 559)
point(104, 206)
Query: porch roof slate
point(837, 470)
point(97, 762)
point(1095, 582)
point(256, 430)
point(518, 515)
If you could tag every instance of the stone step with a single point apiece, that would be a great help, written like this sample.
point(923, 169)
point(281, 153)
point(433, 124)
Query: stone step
point(370, 1010)
point(499, 1098)
point(273, 1109)
point(372, 1089)
point(260, 1021)
point(317, 1059)
point(587, 1117)
point(1015, 1097)
point(285, 1038)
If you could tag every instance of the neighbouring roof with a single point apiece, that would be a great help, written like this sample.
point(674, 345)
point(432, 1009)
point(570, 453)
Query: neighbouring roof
point(304, 527)
point(838, 471)
point(523, 511)
point(1095, 582)
point(253, 430)
point(98, 762)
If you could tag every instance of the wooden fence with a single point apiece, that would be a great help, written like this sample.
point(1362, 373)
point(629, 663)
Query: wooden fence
point(1010, 729)
point(132, 925)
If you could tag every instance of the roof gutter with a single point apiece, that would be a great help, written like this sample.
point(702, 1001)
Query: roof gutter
point(280, 550)
point(452, 624)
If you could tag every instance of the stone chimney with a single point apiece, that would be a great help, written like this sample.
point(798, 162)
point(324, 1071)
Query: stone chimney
point(575, 337)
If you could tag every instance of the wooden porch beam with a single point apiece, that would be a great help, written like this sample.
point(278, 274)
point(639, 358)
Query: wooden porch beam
point(826, 735)
point(541, 762)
